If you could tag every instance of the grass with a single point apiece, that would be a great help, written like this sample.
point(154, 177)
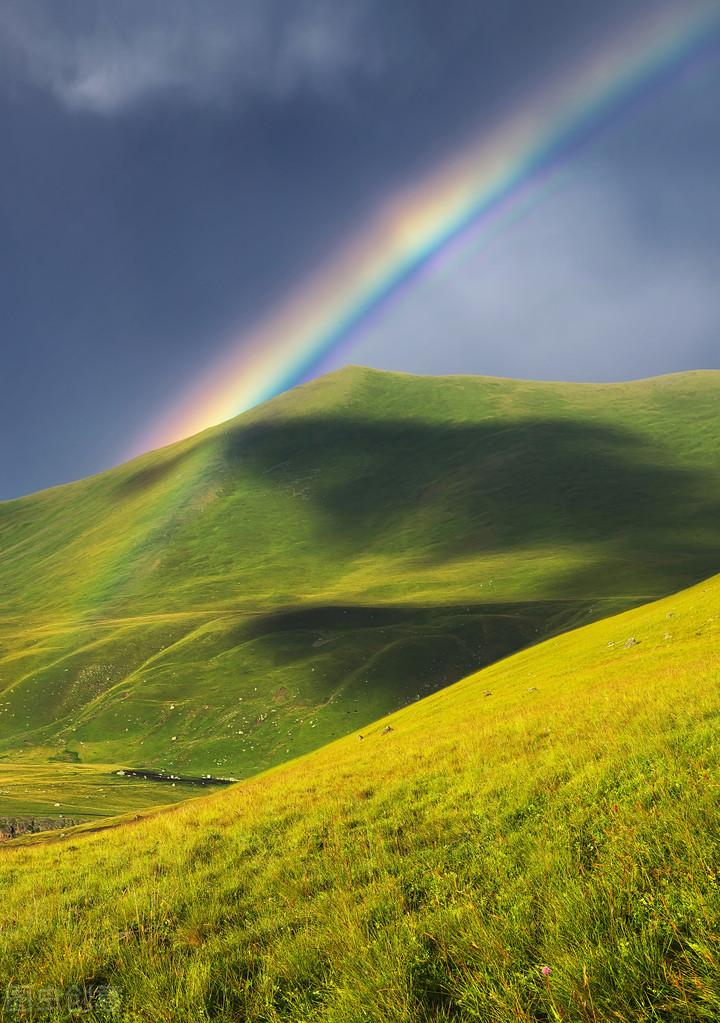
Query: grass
point(79, 792)
point(561, 808)
point(250, 594)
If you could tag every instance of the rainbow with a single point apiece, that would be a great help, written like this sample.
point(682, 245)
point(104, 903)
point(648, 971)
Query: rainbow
point(472, 192)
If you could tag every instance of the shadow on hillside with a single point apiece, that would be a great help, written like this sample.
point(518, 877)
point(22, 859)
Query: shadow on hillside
point(438, 491)
point(489, 630)
point(151, 475)
point(386, 657)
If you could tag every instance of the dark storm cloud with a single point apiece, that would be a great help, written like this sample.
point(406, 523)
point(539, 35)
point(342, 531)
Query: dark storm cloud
point(103, 56)
point(169, 169)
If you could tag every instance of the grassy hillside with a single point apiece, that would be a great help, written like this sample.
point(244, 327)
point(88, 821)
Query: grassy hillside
point(249, 594)
point(560, 809)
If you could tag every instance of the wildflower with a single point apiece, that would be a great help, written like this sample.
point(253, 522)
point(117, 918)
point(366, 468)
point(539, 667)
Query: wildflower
point(546, 971)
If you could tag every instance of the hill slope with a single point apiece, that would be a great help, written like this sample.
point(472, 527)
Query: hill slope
point(559, 809)
point(246, 595)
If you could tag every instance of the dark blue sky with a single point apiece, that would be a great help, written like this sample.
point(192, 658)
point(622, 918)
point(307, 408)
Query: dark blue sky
point(169, 169)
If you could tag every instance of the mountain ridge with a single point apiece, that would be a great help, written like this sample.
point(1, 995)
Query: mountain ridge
point(711, 375)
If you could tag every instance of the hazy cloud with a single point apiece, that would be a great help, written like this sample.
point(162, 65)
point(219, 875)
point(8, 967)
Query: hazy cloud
point(103, 55)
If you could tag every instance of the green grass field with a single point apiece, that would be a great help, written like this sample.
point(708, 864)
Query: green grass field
point(253, 593)
point(560, 809)
point(75, 791)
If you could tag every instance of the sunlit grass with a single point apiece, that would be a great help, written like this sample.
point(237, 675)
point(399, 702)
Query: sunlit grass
point(560, 809)
point(79, 792)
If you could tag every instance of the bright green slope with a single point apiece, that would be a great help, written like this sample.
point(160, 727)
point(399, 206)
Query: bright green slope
point(249, 594)
point(560, 808)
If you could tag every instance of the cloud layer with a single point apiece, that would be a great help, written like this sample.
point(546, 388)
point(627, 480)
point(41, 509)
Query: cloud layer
point(107, 56)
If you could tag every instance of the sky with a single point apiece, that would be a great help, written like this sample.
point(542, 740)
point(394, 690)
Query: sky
point(172, 170)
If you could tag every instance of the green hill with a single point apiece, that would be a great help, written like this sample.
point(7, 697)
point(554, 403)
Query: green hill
point(559, 810)
point(247, 595)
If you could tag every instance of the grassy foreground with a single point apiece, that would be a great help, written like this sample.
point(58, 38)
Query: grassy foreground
point(560, 809)
point(247, 595)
